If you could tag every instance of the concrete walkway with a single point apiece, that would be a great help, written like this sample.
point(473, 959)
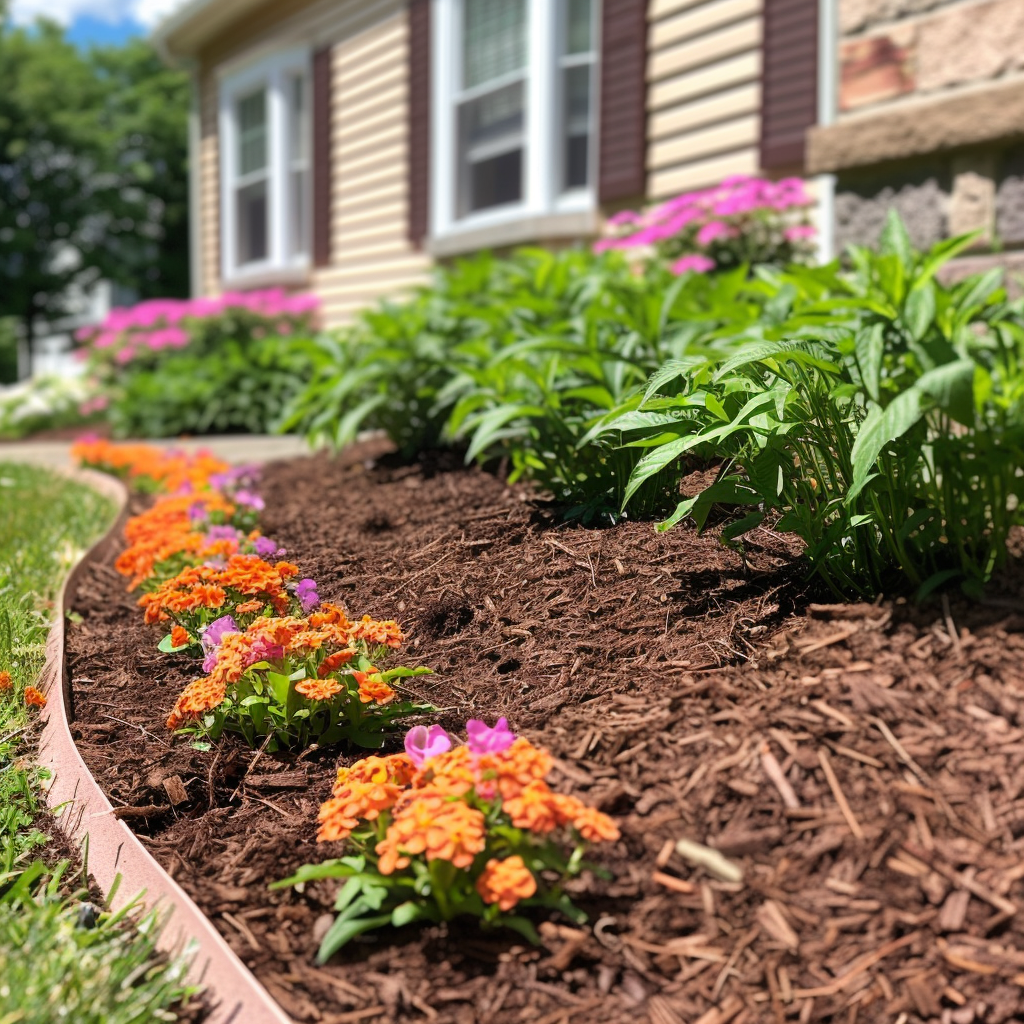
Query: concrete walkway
point(232, 448)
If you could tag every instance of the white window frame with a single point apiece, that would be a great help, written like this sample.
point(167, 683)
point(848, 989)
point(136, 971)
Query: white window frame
point(274, 74)
point(543, 111)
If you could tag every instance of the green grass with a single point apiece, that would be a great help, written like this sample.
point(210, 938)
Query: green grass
point(57, 961)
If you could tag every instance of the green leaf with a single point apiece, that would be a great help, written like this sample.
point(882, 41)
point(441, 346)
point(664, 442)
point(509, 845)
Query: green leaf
point(952, 388)
point(343, 931)
point(894, 240)
point(408, 912)
point(751, 521)
point(168, 647)
point(879, 427)
point(919, 311)
point(869, 348)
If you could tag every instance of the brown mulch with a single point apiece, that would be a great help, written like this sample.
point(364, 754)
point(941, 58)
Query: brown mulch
point(860, 768)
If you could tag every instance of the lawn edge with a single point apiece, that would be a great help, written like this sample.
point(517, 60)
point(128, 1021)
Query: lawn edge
point(116, 857)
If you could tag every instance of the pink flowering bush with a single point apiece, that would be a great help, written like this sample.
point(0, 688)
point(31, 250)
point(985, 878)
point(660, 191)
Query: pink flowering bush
point(156, 327)
point(197, 366)
point(743, 220)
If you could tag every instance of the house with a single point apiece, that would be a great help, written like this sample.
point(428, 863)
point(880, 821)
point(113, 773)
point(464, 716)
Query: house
point(344, 146)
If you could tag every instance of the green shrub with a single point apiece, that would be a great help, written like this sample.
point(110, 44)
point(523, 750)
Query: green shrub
point(881, 419)
point(238, 388)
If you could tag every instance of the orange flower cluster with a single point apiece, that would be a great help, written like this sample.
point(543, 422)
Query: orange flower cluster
point(438, 810)
point(283, 638)
point(34, 697)
point(506, 882)
point(168, 470)
point(5, 681)
point(205, 586)
point(166, 530)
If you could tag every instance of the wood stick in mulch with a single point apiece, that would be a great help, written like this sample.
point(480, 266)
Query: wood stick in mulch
point(777, 777)
point(837, 792)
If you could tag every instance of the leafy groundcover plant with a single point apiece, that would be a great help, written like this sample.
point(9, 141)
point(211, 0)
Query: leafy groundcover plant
point(444, 831)
point(297, 681)
point(881, 421)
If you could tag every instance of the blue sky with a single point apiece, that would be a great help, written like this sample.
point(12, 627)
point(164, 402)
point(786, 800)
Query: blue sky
point(97, 21)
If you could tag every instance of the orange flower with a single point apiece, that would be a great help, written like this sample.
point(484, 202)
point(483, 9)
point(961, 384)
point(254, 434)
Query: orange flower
point(373, 689)
point(595, 826)
point(372, 631)
point(335, 661)
point(426, 823)
point(202, 695)
point(535, 808)
point(329, 614)
point(506, 882)
point(249, 606)
point(521, 764)
point(5, 681)
point(318, 689)
point(179, 636)
point(34, 697)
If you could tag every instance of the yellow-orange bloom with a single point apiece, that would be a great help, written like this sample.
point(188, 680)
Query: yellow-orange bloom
point(249, 606)
point(202, 695)
point(335, 661)
point(179, 636)
point(535, 808)
point(34, 697)
point(387, 632)
point(426, 823)
point(594, 826)
point(318, 689)
point(5, 681)
point(506, 882)
point(373, 689)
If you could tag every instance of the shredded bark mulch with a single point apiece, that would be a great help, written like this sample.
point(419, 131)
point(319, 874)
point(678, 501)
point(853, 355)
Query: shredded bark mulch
point(853, 775)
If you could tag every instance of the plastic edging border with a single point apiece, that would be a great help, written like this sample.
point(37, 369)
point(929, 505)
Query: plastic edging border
point(86, 816)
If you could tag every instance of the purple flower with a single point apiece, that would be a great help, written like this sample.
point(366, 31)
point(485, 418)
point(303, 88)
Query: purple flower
point(250, 499)
point(216, 533)
point(197, 512)
point(262, 650)
point(214, 633)
point(421, 743)
point(712, 230)
point(305, 591)
point(267, 548)
point(486, 740)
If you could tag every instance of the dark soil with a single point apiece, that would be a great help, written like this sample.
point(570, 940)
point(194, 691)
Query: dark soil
point(862, 764)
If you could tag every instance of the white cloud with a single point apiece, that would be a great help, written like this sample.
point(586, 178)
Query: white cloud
point(146, 12)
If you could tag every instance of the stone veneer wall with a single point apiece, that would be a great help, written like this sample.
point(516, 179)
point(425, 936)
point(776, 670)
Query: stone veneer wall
point(914, 70)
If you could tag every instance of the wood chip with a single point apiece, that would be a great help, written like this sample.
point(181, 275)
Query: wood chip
point(673, 883)
point(175, 790)
point(773, 770)
point(711, 860)
point(837, 792)
point(770, 917)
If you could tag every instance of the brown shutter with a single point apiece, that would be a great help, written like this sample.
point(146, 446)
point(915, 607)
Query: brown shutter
point(322, 157)
point(789, 81)
point(419, 121)
point(622, 146)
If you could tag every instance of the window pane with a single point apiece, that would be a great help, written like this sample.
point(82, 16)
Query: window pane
point(576, 92)
point(579, 29)
point(251, 216)
point(491, 149)
point(493, 39)
point(252, 132)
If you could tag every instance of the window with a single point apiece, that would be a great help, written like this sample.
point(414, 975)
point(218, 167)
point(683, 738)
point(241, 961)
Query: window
point(514, 110)
point(265, 167)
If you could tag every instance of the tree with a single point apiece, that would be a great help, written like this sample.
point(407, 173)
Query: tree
point(92, 171)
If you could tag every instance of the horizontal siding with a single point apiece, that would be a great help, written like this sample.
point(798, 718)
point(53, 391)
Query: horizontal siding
point(370, 255)
point(704, 92)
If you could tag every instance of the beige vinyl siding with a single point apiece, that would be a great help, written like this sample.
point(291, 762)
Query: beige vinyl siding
point(704, 95)
point(370, 254)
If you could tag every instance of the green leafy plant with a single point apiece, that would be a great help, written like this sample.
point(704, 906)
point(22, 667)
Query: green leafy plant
point(880, 420)
point(442, 832)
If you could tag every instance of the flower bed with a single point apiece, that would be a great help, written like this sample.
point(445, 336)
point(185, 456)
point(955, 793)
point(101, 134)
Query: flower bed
point(846, 760)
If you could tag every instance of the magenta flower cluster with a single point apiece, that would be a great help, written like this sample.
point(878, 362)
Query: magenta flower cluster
point(744, 219)
point(422, 743)
point(161, 324)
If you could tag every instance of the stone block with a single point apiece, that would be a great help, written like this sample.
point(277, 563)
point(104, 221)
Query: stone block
point(875, 69)
point(861, 212)
point(857, 15)
point(970, 43)
point(972, 202)
point(1010, 199)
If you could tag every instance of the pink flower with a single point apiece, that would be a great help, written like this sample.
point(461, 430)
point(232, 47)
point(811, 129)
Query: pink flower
point(695, 263)
point(421, 743)
point(712, 230)
point(799, 232)
point(486, 740)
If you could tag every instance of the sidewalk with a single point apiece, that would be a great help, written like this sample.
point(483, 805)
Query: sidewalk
point(233, 448)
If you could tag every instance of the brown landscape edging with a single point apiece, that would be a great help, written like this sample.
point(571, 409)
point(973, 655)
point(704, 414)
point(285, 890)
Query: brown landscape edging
point(114, 851)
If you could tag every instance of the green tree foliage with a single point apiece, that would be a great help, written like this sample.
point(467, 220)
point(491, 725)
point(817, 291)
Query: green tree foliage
point(92, 170)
